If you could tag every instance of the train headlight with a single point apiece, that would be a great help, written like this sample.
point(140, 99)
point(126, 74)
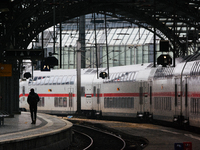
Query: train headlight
point(175, 119)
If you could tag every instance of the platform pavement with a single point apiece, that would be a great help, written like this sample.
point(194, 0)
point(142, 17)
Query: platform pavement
point(49, 132)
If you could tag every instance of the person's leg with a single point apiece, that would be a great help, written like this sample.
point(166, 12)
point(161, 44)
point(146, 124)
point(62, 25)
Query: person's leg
point(35, 114)
point(31, 110)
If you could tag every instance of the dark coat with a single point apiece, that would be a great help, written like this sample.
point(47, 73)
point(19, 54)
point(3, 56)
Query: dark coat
point(33, 99)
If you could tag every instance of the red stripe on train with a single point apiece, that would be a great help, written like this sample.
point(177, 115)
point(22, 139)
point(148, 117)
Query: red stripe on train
point(156, 94)
point(49, 95)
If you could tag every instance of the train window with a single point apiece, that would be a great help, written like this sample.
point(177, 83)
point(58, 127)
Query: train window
point(162, 103)
point(195, 105)
point(39, 78)
point(55, 80)
point(59, 81)
point(113, 77)
point(110, 102)
point(68, 80)
point(56, 100)
point(60, 101)
point(117, 77)
point(30, 81)
point(83, 91)
point(41, 102)
point(33, 82)
point(132, 76)
point(38, 82)
point(64, 80)
point(72, 80)
point(126, 76)
point(120, 77)
point(42, 80)
point(129, 76)
point(47, 81)
point(131, 102)
point(105, 102)
point(51, 80)
point(118, 102)
point(64, 101)
point(35, 78)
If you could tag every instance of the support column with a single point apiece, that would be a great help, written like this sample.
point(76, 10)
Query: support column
point(82, 39)
point(78, 76)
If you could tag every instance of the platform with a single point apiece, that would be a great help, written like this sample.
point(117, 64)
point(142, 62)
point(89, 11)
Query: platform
point(49, 132)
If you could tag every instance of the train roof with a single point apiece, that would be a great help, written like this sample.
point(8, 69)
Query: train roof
point(86, 71)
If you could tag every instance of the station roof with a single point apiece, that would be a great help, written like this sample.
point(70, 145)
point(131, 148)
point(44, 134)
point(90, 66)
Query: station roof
point(176, 20)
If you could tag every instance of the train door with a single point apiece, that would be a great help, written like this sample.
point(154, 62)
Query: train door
point(178, 101)
point(150, 101)
point(185, 101)
point(71, 99)
point(145, 97)
point(88, 100)
point(96, 98)
point(140, 113)
point(144, 106)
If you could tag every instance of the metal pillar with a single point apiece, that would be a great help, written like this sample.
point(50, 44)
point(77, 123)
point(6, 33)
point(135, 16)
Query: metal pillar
point(60, 44)
point(82, 39)
point(78, 76)
point(154, 36)
point(107, 45)
point(54, 30)
point(97, 64)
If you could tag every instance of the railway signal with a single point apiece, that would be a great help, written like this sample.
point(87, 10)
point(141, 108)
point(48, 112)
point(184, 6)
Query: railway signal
point(103, 75)
point(48, 63)
point(27, 75)
point(164, 60)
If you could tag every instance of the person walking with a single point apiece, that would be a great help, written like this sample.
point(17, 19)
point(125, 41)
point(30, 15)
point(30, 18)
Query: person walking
point(32, 100)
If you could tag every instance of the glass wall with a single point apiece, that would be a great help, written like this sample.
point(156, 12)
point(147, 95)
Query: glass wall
point(118, 55)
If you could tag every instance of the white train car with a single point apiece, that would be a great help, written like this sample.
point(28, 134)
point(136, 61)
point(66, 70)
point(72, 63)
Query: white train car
point(57, 90)
point(169, 94)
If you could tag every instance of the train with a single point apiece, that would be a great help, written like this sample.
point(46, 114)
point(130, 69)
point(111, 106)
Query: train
point(170, 93)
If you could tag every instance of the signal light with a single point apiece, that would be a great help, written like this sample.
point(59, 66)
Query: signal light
point(103, 75)
point(27, 75)
point(164, 60)
point(45, 67)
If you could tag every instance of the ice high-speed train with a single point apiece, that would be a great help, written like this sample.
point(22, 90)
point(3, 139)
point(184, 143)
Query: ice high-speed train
point(165, 93)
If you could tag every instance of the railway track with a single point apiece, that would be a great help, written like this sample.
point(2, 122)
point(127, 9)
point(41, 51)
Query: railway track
point(96, 139)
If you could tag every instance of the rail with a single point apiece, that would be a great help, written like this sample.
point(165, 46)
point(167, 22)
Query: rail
point(99, 138)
